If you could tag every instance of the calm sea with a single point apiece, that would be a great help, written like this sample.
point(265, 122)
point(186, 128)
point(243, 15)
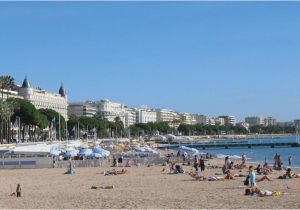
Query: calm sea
point(260, 154)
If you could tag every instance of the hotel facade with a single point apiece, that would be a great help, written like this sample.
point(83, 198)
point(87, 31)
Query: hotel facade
point(42, 99)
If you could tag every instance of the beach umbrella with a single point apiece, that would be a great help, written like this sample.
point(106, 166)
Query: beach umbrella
point(55, 152)
point(85, 152)
point(139, 149)
point(71, 153)
point(148, 149)
point(101, 151)
point(96, 155)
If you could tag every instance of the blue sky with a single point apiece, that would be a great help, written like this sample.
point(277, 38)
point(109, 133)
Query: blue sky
point(213, 58)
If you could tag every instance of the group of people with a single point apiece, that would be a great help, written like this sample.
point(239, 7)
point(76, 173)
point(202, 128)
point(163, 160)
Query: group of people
point(117, 162)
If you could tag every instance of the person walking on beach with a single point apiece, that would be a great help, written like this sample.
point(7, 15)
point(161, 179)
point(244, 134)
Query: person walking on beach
point(243, 159)
point(275, 161)
point(18, 190)
point(290, 160)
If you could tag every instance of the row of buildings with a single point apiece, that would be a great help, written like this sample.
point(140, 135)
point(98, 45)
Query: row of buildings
point(256, 120)
point(110, 110)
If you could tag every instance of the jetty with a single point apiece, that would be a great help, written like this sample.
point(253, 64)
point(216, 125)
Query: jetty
point(249, 143)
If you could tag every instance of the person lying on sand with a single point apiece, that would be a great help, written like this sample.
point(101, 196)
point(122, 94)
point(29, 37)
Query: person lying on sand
point(263, 178)
point(196, 175)
point(202, 178)
point(229, 175)
point(288, 175)
point(103, 187)
point(115, 172)
point(239, 166)
point(240, 175)
point(263, 193)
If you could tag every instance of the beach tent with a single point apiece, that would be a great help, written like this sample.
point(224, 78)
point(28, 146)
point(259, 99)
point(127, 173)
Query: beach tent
point(85, 152)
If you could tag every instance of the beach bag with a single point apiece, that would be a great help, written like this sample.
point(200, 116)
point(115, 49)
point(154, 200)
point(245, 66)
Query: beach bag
point(246, 182)
point(248, 192)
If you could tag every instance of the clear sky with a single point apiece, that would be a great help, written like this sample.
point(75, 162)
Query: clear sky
point(212, 58)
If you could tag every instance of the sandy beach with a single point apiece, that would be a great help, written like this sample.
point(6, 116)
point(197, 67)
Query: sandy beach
point(141, 187)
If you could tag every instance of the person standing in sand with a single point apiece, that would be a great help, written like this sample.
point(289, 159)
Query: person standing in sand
point(252, 177)
point(290, 160)
point(18, 190)
point(202, 164)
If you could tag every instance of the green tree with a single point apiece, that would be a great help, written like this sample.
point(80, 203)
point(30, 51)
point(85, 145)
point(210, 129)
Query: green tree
point(52, 114)
point(6, 83)
point(119, 126)
point(6, 112)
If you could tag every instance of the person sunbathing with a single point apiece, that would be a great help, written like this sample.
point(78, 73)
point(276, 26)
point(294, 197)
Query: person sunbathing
point(263, 193)
point(267, 167)
point(196, 176)
point(263, 170)
point(123, 171)
point(229, 176)
point(288, 175)
point(114, 172)
point(240, 175)
point(263, 178)
point(239, 166)
point(103, 187)
point(214, 178)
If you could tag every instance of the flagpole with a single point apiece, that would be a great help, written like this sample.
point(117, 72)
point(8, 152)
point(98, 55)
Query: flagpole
point(59, 136)
point(78, 131)
point(87, 132)
point(66, 130)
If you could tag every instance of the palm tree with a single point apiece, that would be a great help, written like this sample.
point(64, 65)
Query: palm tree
point(6, 111)
point(7, 83)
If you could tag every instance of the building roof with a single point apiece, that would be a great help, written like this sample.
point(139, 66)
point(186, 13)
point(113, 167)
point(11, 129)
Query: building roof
point(25, 83)
point(62, 91)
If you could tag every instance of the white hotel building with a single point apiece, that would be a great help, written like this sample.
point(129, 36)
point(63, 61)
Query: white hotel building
point(45, 100)
point(110, 110)
point(145, 115)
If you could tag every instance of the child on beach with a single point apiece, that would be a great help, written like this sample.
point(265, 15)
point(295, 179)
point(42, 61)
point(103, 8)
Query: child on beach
point(18, 190)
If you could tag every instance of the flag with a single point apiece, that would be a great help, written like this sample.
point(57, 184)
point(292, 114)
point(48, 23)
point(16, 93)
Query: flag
point(15, 124)
point(53, 120)
point(52, 123)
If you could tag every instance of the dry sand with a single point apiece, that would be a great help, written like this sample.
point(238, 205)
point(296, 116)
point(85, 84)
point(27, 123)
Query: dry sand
point(142, 187)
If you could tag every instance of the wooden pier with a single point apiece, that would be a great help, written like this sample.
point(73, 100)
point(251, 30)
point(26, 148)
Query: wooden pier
point(232, 144)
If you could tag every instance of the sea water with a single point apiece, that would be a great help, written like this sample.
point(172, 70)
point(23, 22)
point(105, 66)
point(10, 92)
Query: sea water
point(260, 154)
